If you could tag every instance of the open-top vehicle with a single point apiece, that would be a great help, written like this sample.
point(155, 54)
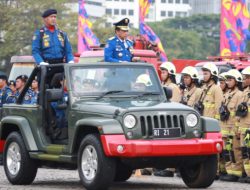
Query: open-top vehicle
point(117, 118)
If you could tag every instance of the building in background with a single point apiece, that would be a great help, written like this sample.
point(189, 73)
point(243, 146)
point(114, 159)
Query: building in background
point(95, 8)
point(115, 10)
point(165, 9)
point(159, 10)
point(208, 6)
point(205, 6)
point(118, 9)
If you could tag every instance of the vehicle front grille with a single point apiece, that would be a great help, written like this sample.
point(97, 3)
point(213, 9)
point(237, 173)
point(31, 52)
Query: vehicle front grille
point(148, 123)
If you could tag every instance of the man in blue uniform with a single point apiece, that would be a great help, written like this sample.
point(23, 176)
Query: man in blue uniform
point(20, 83)
point(119, 48)
point(35, 91)
point(12, 86)
point(61, 131)
point(50, 45)
point(5, 91)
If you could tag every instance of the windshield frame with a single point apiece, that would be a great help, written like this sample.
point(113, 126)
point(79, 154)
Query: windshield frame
point(68, 72)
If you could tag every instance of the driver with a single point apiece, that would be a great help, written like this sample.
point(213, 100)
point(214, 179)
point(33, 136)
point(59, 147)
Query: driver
point(89, 85)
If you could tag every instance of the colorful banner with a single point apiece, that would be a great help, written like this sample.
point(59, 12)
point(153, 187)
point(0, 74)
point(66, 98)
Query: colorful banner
point(86, 37)
point(234, 27)
point(144, 8)
point(146, 31)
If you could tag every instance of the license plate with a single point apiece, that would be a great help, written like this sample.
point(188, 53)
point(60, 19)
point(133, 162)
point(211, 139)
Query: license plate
point(167, 133)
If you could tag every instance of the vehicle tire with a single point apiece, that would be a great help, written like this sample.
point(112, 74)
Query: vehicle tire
point(123, 172)
point(19, 168)
point(201, 175)
point(96, 171)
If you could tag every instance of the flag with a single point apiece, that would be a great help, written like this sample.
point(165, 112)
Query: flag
point(234, 27)
point(146, 31)
point(144, 8)
point(86, 37)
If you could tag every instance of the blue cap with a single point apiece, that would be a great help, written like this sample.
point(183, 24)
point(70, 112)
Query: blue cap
point(12, 82)
point(49, 12)
point(24, 78)
point(3, 77)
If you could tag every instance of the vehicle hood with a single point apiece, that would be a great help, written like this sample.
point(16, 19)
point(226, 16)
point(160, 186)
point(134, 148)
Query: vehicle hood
point(122, 106)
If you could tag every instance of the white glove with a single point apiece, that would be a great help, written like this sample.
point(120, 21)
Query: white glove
point(71, 61)
point(43, 63)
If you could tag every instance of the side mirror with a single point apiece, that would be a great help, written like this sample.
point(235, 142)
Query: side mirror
point(54, 95)
point(168, 92)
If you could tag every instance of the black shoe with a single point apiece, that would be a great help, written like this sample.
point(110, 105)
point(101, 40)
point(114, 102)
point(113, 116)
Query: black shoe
point(247, 179)
point(178, 174)
point(242, 180)
point(221, 175)
point(146, 171)
point(230, 178)
point(217, 177)
point(164, 173)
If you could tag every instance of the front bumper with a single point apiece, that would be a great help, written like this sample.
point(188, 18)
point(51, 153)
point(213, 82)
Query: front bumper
point(119, 146)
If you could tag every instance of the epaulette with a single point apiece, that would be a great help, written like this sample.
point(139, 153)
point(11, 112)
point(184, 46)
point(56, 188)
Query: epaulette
point(112, 38)
point(60, 31)
point(130, 40)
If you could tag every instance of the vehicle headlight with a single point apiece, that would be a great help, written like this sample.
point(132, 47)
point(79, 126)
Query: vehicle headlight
point(191, 120)
point(129, 121)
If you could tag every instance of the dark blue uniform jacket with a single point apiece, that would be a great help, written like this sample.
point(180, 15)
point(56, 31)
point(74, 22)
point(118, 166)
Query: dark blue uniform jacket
point(116, 51)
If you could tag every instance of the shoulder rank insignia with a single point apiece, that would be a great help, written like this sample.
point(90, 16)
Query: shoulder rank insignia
point(130, 40)
point(112, 38)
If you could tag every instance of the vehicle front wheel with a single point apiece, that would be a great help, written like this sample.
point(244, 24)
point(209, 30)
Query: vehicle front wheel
point(201, 175)
point(19, 168)
point(96, 171)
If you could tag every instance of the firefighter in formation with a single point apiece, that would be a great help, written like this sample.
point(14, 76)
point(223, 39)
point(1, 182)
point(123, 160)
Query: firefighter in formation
point(228, 102)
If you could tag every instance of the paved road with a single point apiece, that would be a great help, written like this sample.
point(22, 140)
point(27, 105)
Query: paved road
point(62, 179)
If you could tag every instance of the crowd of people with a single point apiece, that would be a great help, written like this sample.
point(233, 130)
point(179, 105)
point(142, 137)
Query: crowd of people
point(225, 97)
point(10, 91)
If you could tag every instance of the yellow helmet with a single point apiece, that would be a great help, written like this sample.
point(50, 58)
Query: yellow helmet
point(222, 76)
point(235, 74)
point(144, 79)
point(191, 71)
point(169, 67)
point(246, 71)
point(212, 68)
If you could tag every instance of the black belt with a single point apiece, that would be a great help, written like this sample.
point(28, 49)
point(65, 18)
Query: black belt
point(54, 61)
